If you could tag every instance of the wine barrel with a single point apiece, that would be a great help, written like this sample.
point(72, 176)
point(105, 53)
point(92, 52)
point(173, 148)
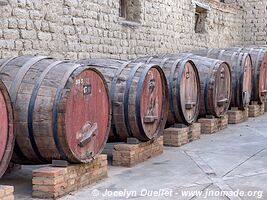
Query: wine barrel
point(241, 67)
point(61, 109)
point(183, 85)
point(259, 72)
point(139, 96)
point(6, 129)
point(215, 83)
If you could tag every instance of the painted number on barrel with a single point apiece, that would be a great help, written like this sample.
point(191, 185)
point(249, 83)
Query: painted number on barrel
point(79, 81)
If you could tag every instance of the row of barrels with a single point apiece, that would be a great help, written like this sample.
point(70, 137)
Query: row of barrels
point(61, 109)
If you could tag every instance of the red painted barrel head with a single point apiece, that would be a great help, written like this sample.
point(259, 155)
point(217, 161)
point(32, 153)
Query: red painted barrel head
point(189, 92)
point(263, 79)
point(151, 102)
point(247, 81)
point(87, 115)
point(223, 89)
point(3, 125)
point(6, 129)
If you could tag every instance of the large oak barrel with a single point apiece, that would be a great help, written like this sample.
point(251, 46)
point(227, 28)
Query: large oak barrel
point(6, 129)
point(184, 87)
point(241, 67)
point(61, 109)
point(139, 96)
point(259, 72)
point(215, 83)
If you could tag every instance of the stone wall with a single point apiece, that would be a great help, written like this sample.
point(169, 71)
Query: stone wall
point(79, 29)
point(254, 21)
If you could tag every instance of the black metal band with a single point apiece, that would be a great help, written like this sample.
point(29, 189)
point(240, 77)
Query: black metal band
point(34, 95)
point(14, 89)
point(221, 54)
point(126, 98)
point(239, 79)
point(55, 110)
point(112, 96)
point(170, 80)
point(5, 63)
point(255, 72)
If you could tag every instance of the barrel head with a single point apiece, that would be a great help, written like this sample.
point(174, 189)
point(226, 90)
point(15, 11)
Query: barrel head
point(151, 102)
point(87, 115)
point(263, 79)
point(189, 93)
point(6, 129)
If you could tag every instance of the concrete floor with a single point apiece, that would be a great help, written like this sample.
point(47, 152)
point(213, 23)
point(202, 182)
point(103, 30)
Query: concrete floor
point(234, 159)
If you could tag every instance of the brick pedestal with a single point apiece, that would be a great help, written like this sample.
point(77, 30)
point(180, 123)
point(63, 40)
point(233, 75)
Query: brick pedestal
point(128, 155)
point(6, 192)
point(54, 182)
point(177, 136)
point(236, 116)
point(256, 109)
point(213, 125)
point(194, 132)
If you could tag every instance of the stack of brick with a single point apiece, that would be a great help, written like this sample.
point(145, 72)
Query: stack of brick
point(128, 155)
point(6, 192)
point(54, 182)
point(194, 132)
point(256, 109)
point(213, 125)
point(208, 126)
point(223, 122)
point(175, 137)
point(236, 116)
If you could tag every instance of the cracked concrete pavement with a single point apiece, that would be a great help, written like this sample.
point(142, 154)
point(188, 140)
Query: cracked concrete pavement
point(234, 159)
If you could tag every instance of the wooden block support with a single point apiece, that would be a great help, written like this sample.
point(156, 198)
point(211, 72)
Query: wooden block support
point(53, 182)
point(6, 192)
point(256, 109)
point(236, 116)
point(129, 155)
point(213, 125)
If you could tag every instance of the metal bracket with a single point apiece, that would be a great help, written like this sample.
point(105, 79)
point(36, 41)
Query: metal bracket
point(190, 105)
point(88, 131)
point(150, 119)
point(222, 102)
point(264, 92)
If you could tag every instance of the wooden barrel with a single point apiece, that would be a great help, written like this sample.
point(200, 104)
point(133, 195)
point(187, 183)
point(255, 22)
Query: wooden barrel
point(259, 72)
point(215, 83)
point(61, 109)
point(139, 96)
point(241, 67)
point(6, 129)
point(183, 85)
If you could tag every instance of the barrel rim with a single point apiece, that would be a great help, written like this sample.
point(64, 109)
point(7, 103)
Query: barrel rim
point(82, 68)
point(183, 63)
point(11, 135)
point(165, 101)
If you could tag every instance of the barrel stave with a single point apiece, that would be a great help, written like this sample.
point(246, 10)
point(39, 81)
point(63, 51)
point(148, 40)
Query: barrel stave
point(46, 103)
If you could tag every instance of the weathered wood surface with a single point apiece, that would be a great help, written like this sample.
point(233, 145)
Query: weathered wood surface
point(6, 129)
point(183, 86)
point(55, 104)
point(139, 97)
point(241, 67)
